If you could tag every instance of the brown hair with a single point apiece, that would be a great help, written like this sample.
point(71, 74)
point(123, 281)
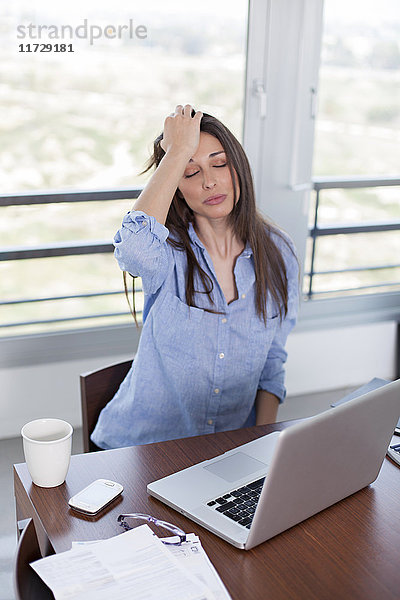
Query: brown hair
point(247, 223)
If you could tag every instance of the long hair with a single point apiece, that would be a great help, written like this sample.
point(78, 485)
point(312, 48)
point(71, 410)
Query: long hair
point(245, 220)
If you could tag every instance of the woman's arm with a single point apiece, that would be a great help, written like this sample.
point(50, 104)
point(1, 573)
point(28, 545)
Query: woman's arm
point(266, 407)
point(180, 141)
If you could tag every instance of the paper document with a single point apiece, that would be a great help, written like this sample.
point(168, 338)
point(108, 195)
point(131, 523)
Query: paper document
point(134, 565)
point(192, 557)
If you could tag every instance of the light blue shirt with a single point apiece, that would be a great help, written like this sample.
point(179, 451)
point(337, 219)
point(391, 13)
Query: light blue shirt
point(195, 372)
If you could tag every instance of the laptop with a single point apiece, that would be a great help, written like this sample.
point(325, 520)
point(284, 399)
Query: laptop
point(259, 489)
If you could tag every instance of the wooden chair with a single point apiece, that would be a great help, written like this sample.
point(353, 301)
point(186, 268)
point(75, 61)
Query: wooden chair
point(27, 583)
point(97, 389)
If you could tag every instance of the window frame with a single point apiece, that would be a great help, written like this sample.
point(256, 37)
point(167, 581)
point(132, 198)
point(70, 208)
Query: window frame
point(283, 50)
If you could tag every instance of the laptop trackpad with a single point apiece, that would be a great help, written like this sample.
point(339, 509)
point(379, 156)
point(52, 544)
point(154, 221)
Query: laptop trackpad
point(236, 466)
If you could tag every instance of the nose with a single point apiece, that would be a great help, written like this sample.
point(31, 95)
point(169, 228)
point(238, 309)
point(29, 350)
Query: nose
point(208, 180)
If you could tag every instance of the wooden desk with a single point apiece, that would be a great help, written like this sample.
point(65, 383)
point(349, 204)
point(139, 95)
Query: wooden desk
point(349, 551)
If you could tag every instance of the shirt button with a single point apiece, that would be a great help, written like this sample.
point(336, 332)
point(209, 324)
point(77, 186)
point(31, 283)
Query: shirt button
point(210, 421)
point(221, 355)
point(144, 223)
point(216, 391)
point(224, 320)
point(243, 296)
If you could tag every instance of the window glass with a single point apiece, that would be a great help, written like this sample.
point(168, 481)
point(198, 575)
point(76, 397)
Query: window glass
point(86, 119)
point(343, 267)
point(87, 291)
point(357, 135)
point(358, 122)
point(346, 206)
point(83, 95)
point(69, 221)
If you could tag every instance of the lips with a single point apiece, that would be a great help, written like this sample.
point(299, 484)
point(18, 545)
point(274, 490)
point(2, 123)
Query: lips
point(213, 200)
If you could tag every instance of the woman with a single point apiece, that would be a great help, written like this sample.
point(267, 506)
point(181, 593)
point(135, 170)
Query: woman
point(220, 293)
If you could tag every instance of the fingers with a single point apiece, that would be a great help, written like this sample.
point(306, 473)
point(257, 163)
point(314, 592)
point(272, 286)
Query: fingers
point(186, 111)
point(182, 130)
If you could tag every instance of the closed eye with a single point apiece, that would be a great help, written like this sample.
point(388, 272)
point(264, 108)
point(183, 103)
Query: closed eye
point(195, 173)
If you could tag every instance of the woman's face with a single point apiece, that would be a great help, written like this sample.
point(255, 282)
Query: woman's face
point(207, 184)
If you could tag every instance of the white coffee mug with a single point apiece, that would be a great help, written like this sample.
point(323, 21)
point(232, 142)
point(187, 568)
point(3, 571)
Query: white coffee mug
point(47, 449)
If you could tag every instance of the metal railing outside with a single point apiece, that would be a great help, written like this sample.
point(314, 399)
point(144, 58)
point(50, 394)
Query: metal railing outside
point(317, 230)
point(74, 248)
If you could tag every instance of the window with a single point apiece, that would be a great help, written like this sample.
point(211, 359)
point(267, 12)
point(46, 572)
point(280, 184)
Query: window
point(81, 124)
point(354, 246)
point(85, 122)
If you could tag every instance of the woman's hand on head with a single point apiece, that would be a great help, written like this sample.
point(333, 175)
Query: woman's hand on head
point(182, 131)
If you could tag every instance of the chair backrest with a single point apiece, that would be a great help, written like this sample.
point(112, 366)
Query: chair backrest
point(27, 583)
point(97, 389)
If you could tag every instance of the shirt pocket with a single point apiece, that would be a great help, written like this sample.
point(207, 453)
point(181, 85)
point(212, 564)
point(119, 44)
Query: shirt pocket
point(177, 331)
point(261, 336)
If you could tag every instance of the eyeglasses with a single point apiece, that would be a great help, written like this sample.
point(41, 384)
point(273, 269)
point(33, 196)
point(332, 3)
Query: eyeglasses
point(163, 524)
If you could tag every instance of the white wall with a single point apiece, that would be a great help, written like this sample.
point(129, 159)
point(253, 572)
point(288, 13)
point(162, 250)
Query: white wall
point(333, 358)
point(318, 360)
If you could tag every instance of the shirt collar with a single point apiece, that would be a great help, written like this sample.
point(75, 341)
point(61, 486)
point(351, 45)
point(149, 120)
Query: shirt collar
point(247, 251)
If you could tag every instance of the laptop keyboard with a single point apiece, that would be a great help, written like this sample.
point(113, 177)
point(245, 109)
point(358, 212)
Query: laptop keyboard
point(239, 505)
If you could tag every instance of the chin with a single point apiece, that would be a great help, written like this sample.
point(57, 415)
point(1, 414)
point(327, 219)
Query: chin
point(224, 209)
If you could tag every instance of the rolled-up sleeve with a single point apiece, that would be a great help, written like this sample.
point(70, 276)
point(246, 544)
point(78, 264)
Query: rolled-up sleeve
point(141, 249)
point(273, 374)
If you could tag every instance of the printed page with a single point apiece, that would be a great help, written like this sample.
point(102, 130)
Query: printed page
point(193, 557)
point(132, 565)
